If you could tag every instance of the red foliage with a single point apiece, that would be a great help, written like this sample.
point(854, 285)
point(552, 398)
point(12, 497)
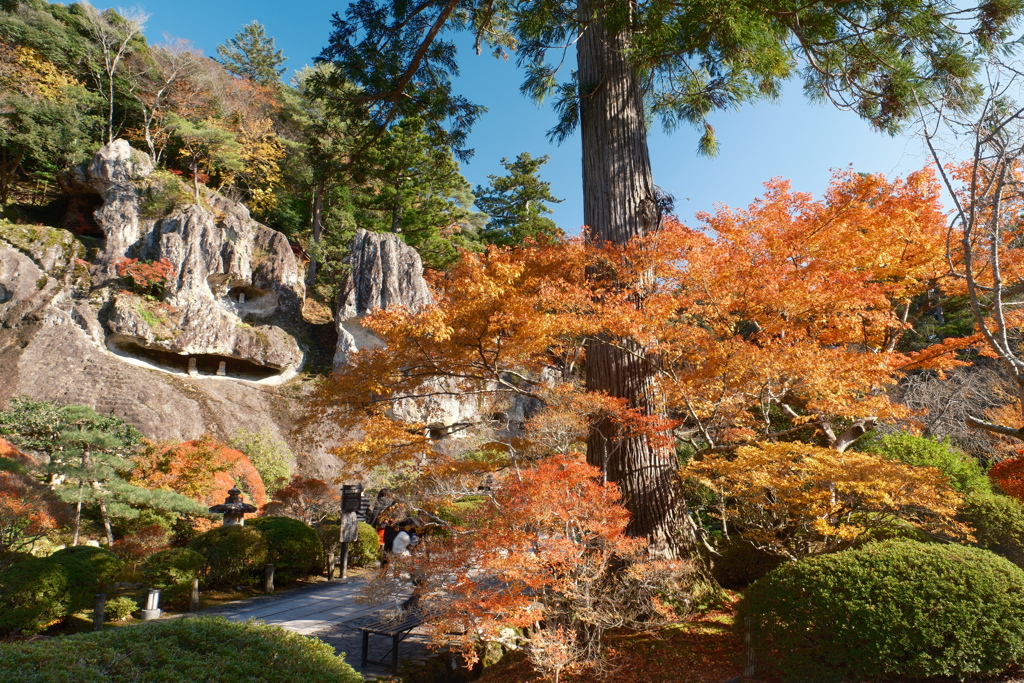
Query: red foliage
point(142, 543)
point(145, 277)
point(10, 451)
point(1008, 475)
point(547, 548)
point(308, 500)
point(28, 512)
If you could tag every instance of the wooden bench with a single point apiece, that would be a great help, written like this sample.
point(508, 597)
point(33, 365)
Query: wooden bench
point(397, 629)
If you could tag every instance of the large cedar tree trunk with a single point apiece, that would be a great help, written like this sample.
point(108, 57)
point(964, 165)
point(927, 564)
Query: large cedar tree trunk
point(619, 204)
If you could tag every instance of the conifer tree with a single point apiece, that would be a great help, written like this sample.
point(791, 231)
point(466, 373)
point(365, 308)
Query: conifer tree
point(517, 203)
point(251, 54)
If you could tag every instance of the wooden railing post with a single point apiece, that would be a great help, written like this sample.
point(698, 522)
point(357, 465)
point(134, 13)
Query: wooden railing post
point(749, 654)
point(99, 607)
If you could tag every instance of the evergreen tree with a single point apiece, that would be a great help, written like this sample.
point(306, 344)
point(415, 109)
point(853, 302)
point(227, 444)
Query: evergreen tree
point(517, 203)
point(205, 145)
point(411, 186)
point(251, 54)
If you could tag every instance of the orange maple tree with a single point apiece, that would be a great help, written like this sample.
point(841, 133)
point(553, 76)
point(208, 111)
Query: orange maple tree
point(28, 512)
point(785, 317)
point(541, 553)
point(204, 469)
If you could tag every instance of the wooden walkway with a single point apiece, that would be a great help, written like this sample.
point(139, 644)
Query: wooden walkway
point(328, 611)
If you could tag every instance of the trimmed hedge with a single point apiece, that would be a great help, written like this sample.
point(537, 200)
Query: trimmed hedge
point(964, 472)
point(293, 547)
point(234, 554)
point(890, 609)
point(366, 551)
point(198, 650)
point(108, 566)
point(172, 571)
point(42, 591)
point(998, 523)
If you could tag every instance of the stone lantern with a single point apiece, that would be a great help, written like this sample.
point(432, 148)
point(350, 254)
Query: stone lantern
point(233, 508)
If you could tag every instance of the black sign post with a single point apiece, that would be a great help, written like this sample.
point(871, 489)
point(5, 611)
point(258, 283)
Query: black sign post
point(351, 501)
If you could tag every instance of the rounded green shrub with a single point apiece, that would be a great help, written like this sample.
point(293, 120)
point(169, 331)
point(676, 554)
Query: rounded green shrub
point(366, 551)
point(890, 609)
point(293, 547)
point(234, 554)
point(964, 472)
point(107, 565)
point(42, 591)
point(193, 649)
point(998, 523)
point(120, 608)
point(172, 571)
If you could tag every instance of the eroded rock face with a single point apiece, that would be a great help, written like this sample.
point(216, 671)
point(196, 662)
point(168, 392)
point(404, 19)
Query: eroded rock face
point(385, 272)
point(56, 317)
point(236, 285)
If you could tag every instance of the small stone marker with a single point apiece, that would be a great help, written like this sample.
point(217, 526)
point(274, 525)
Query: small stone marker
point(99, 607)
point(152, 610)
point(193, 598)
point(222, 368)
point(330, 566)
point(241, 297)
point(193, 371)
point(268, 578)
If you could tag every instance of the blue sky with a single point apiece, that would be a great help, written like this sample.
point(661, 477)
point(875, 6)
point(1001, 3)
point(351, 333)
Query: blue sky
point(792, 139)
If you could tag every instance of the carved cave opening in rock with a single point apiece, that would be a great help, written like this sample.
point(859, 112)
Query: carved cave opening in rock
point(207, 364)
point(4, 294)
point(245, 294)
point(81, 216)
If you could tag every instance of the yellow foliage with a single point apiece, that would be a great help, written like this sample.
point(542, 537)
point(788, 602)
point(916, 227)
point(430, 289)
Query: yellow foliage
point(796, 499)
point(25, 71)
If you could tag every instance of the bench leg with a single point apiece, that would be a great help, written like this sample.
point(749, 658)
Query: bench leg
point(394, 653)
point(366, 649)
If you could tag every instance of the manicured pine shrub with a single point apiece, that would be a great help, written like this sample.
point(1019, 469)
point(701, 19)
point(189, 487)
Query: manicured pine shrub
point(234, 555)
point(203, 649)
point(43, 591)
point(891, 609)
point(964, 472)
point(293, 547)
point(366, 551)
point(172, 571)
point(107, 565)
point(998, 523)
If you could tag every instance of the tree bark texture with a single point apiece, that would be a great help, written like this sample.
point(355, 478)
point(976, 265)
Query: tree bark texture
point(618, 205)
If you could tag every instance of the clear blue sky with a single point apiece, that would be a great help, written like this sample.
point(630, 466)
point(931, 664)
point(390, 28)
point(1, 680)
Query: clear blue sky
point(793, 139)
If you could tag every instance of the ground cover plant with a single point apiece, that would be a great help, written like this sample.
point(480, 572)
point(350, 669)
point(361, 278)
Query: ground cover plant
point(204, 650)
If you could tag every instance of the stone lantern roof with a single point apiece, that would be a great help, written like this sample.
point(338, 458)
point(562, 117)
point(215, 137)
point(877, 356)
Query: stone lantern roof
point(233, 508)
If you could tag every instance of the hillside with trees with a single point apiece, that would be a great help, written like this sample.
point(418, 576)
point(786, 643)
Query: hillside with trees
point(789, 435)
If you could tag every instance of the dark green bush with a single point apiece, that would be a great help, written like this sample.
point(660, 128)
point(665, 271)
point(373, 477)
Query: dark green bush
point(366, 551)
point(42, 591)
point(293, 547)
point(172, 572)
point(964, 472)
point(890, 609)
point(998, 523)
point(107, 565)
point(197, 650)
point(234, 554)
